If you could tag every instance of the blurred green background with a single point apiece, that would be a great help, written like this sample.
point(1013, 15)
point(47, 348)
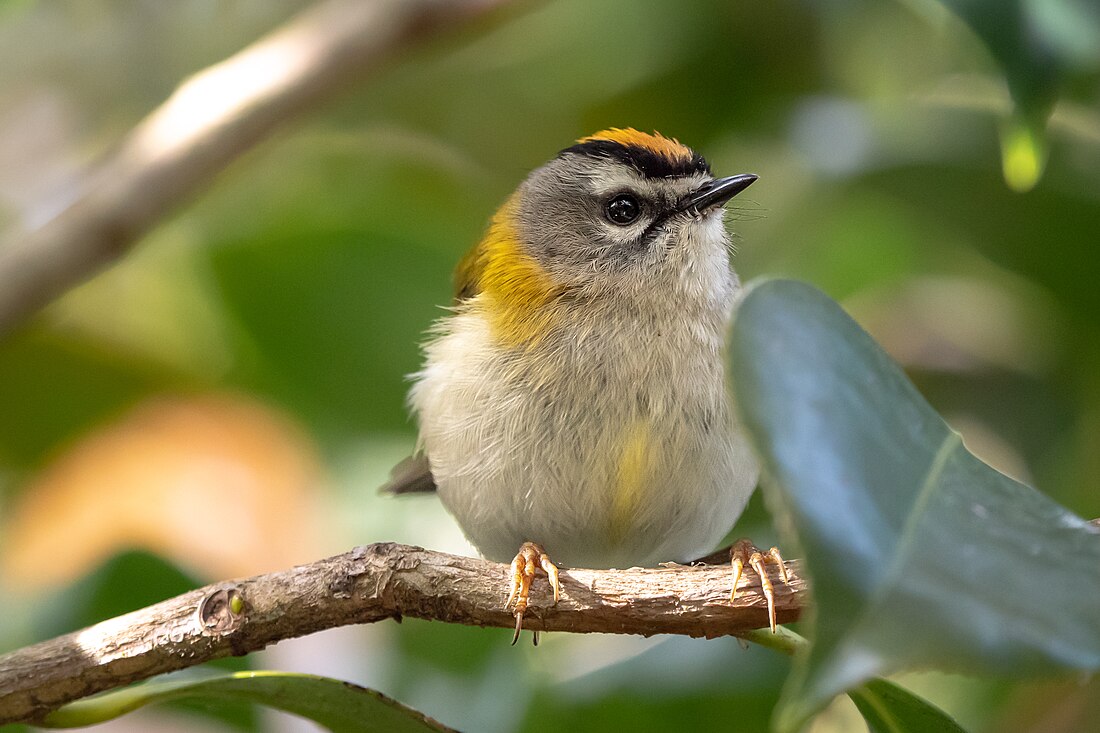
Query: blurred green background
point(226, 400)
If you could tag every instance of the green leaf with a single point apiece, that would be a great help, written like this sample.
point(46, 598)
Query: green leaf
point(1023, 153)
point(125, 582)
point(888, 708)
point(338, 706)
point(679, 684)
point(1027, 51)
point(1037, 43)
point(920, 555)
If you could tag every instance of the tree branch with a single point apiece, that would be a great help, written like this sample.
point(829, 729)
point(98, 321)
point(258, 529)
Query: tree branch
point(369, 584)
point(207, 123)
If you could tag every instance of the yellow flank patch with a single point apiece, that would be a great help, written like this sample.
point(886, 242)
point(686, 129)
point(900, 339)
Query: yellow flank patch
point(656, 142)
point(630, 480)
point(508, 284)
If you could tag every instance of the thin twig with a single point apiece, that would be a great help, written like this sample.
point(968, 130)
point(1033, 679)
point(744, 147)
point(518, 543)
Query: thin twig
point(369, 584)
point(205, 125)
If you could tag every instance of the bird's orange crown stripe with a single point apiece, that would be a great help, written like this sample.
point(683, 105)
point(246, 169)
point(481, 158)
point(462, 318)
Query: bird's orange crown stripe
point(655, 142)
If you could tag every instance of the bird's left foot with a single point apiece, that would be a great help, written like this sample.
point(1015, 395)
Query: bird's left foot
point(525, 566)
point(742, 553)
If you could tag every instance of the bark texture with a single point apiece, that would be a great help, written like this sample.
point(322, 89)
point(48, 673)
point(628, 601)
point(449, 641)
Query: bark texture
point(368, 584)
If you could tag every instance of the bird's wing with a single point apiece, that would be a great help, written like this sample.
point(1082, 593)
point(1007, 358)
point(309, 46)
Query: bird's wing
point(411, 476)
point(467, 276)
point(498, 244)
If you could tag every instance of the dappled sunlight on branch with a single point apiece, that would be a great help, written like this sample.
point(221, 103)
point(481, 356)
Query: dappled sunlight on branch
point(215, 117)
point(224, 91)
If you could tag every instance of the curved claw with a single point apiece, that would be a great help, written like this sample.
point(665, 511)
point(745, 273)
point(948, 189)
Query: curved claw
point(519, 628)
point(745, 552)
point(525, 565)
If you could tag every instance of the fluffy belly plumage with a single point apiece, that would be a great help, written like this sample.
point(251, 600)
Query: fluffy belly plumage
point(603, 461)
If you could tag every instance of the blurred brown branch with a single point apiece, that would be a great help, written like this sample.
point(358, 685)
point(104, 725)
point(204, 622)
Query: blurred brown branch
point(207, 123)
point(369, 584)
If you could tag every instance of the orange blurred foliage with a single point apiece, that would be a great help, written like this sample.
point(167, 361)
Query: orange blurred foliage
point(221, 484)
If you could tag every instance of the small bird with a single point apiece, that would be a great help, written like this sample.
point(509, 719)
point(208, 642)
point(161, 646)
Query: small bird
point(575, 403)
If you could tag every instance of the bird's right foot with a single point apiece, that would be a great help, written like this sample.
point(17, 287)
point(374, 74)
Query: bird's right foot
point(745, 553)
point(530, 558)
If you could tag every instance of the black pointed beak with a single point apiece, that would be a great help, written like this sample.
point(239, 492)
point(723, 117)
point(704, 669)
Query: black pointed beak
point(715, 193)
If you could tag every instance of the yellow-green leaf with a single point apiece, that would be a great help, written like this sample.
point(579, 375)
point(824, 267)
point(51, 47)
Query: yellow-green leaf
point(340, 707)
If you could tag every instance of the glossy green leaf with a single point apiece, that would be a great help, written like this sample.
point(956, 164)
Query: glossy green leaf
point(920, 555)
point(888, 708)
point(338, 706)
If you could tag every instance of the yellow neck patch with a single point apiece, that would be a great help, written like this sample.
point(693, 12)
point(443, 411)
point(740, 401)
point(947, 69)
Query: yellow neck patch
point(670, 148)
point(507, 284)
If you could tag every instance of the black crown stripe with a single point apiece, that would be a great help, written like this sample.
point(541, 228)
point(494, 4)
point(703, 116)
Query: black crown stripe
point(649, 163)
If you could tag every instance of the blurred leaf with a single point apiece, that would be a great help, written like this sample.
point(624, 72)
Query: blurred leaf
point(126, 582)
point(642, 712)
point(1036, 42)
point(919, 553)
point(888, 708)
point(53, 387)
point(206, 480)
point(1023, 154)
point(1030, 58)
point(335, 318)
point(969, 206)
point(885, 706)
point(678, 684)
point(338, 706)
point(470, 651)
point(14, 6)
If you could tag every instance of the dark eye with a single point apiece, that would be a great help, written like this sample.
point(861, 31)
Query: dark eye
point(623, 209)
